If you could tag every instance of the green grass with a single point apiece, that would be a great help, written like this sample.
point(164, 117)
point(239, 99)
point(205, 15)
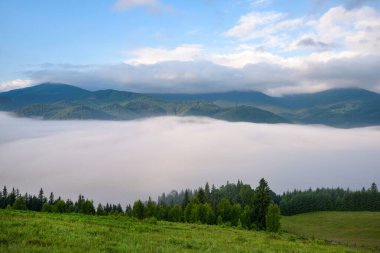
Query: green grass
point(46, 232)
point(355, 229)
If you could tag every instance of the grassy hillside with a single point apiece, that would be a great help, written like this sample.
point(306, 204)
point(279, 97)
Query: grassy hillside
point(46, 232)
point(357, 229)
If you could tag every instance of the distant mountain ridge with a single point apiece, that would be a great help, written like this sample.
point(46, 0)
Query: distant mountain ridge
point(350, 107)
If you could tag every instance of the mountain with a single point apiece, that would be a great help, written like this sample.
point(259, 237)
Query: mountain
point(350, 107)
point(232, 97)
point(337, 107)
point(46, 93)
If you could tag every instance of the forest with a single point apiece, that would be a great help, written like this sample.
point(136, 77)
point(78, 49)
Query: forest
point(238, 205)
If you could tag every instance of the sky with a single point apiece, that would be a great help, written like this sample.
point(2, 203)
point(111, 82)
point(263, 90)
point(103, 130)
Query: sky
point(275, 46)
point(121, 161)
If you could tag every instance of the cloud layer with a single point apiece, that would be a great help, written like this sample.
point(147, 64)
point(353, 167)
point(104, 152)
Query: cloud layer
point(123, 161)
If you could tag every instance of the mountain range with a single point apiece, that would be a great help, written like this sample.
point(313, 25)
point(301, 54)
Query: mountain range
point(351, 107)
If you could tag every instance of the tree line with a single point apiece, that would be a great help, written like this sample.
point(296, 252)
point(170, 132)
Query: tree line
point(330, 199)
point(237, 205)
point(232, 204)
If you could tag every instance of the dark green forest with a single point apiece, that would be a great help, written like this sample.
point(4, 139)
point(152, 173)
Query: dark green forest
point(326, 199)
point(237, 205)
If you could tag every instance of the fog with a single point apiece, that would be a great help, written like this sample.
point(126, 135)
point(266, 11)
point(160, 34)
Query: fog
point(121, 161)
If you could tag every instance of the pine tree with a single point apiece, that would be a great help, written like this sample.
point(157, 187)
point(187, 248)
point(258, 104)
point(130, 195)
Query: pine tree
point(261, 203)
point(51, 198)
point(5, 192)
point(41, 199)
point(373, 187)
point(185, 200)
point(207, 192)
point(201, 196)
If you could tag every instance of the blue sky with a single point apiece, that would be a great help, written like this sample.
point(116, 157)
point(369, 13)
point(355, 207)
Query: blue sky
point(275, 46)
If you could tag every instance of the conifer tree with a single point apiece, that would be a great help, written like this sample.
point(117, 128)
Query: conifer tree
point(185, 200)
point(261, 203)
point(201, 196)
point(138, 210)
point(207, 192)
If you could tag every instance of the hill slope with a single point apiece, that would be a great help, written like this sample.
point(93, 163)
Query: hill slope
point(359, 229)
point(47, 232)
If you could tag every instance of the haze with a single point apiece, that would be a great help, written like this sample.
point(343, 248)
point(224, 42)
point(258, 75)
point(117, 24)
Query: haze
point(122, 161)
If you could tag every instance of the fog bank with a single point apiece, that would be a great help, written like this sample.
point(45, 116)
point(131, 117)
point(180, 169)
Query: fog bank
point(122, 161)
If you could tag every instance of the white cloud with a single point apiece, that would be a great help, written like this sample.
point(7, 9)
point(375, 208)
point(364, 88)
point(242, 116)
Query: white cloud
point(354, 29)
point(14, 84)
point(268, 29)
point(151, 5)
point(150, 55)
point(249, 23)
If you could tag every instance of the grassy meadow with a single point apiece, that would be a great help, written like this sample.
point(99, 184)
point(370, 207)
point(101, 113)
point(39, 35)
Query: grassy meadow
point(26, 231)
point(354, 229)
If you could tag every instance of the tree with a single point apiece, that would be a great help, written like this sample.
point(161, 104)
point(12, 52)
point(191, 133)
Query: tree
point(60, 206)
point(100, 210)
point(175, 213)
point(186, 200)
point(261, 203)
point(273, 218)
point(201, 214)
point(70, 206)
point(88, 207)
point(138, 210)
point(245, 217)
point(207, 192)
point(20, 204)
point(188, 211)
point(5, 192)
point(246, 195)
point(150, 209)
point(210, 215)
point(51, 198)
point(235, 214)
point(373, 188)
point(201, 196)
point(46, 208)
point(41, 199)
point(224, 209)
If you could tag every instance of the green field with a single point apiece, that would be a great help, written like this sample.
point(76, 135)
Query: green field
point(47, 232)
point(355, 229)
